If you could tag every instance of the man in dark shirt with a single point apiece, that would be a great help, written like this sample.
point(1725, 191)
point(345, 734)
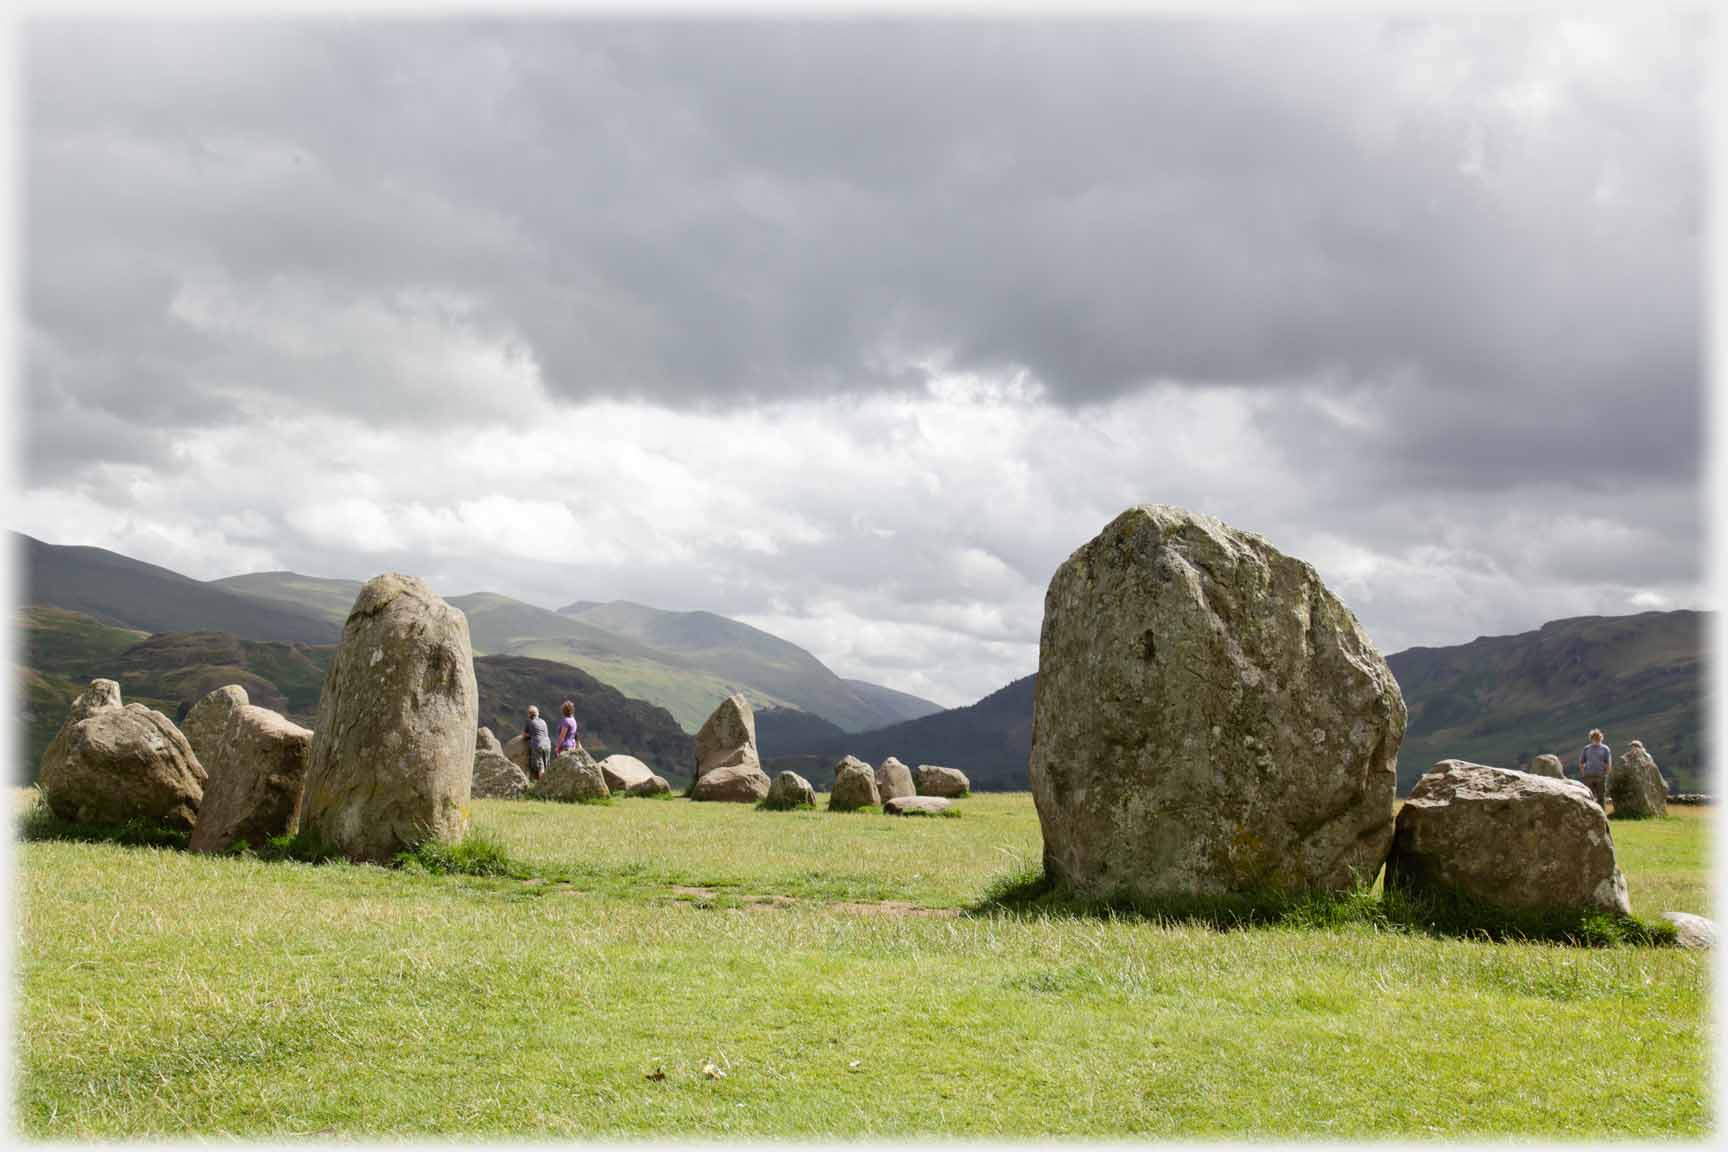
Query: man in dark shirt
point(1594, 764)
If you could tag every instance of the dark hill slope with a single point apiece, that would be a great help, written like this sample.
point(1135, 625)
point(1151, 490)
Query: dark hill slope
point(116, 589)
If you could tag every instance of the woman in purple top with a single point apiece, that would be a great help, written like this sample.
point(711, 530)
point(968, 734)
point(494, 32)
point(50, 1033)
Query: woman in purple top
point(567, 729)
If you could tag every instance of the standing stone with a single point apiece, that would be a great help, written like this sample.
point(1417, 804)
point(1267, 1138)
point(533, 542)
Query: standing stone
point(496, 777)
point(112, 763)
point(516, 751)
point(257, 772)
point(854, 786)
point(1547, 764)
point(935, 780)
point(727, 764)
point(572, 776)
point(624, 772)
point(208, 720)
point(1208, 718)
point(894, 779)
point(790, 790)
point(1635, 785)
point(1506, 838)
point(393, 750)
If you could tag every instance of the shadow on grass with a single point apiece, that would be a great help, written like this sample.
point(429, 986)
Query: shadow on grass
point(1030, 893)
point(40, 823)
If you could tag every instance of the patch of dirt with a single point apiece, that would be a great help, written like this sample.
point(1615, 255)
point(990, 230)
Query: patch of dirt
point(690, 893)
point(895, 909)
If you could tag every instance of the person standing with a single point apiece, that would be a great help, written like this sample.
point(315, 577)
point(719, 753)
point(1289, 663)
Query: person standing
point(538, 743)
point(1594, 764)
point(567, 729)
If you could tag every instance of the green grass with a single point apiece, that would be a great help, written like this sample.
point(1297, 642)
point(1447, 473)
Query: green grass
point(166, 994)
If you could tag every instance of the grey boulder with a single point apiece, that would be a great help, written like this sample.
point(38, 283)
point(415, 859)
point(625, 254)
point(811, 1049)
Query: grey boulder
point(917, 806)
point(1635, 786)
point(257, 771)
point(1692, 931)
point(1505, 838)
point(790, 790)
point(894, 779)
point(112, 763)
point(393, 745)
point(496, 776)
point(1208, 718)
point(624, 772)
point(935, 780)
point(653, 786)
point(572, 776)
point(726, 751)
point(854, 786)
point(1547, 764)
point(208, 720)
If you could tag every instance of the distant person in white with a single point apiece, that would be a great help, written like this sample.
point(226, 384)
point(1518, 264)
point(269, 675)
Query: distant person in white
point(539, 743)
point(1594, 764)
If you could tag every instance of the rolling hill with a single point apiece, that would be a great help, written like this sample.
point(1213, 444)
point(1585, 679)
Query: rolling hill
point(894, 704)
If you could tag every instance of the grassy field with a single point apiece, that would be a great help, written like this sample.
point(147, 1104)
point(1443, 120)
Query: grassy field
point(833, 970)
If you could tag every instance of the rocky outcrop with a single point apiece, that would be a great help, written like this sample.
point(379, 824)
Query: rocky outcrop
point(1208, 718)
point(854, 786)
point(790, 790)
point(573, 776)
point(935, 780)
point(1505, 838)
point(728, 767)
point(496, 776)
point(1547, 764)
point(393, 745)
point(112, 763)
point(917, 806)
point(257, 771)
point(624, 772)
point(1635, 786)
point(894, 779)
point(209, 719)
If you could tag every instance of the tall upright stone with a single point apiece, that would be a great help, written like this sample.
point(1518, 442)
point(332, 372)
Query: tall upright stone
point(894, 779)
point(1635, 785)
point(728, 767)
point(208, 720)
point(257, 772)
point(1208, 718)
point(393, 750)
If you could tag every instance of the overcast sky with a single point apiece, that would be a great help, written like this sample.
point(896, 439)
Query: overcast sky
point(854, 331)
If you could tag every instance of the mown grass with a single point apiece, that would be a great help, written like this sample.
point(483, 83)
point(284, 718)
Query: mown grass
point(167, 994)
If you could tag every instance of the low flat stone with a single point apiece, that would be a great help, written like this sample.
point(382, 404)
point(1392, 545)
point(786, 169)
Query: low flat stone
point(624, 772)
point(1692, 931)
point(653, 786)
point(916, 805)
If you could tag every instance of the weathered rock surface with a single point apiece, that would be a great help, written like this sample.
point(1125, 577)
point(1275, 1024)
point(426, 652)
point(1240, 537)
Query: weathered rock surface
point(257, 771)
point(393, 745)
point(208, 720)
point(894, 779)
point(727, 764)
point(935, 780)
point(854, 786)
point(1208, 718)
point(111, 763)
point(496, 776)
point(1635, 786)
point(790, 790)
point(516, 751)
point(1505, 838)
point(653, 786)
point(917, 806)
point(573, 776)
point(624, 772)
point(1692, 931)
point(1547, 764)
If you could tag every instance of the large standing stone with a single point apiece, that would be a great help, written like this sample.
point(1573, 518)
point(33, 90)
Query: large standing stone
point(393, 750)
point(790, 790)
point(854, 786)
point(112, 763)
point(1548, 764)
point(257, 772)
point(208, 720)
point(624, 772)
point(935, 780)
point(573, 775)
point(1635, 785)
point(727, 764)
point(1208, 718)
point(894, 779)
point(1505, 838)
point(496, 776)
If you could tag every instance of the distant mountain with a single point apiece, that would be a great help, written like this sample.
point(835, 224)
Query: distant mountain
point(319, 596)
point(1505, 699)
point(116, 589)
point(900, 705)
point(990, 741)
point(765, 665)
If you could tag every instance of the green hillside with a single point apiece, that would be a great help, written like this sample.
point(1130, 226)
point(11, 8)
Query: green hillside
point(317, 595)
